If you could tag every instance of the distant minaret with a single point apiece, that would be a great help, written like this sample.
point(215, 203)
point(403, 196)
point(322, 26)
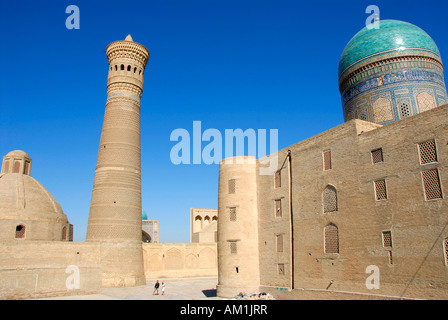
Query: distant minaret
point(115, 218)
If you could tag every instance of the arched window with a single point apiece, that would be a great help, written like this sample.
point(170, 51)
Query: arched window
point(146, 237)
point(122, 67)
point(116, 67)
point(330, 199)
point(331, 239)
point(206, 221)
point(20, 231)
point(135, 69)
point(64, 233)
point(425, 101)
point(129, 68)
point(382, 110)
point(197, 224)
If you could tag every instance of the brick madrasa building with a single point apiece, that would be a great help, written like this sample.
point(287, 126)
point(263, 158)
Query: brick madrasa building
point(360, 210)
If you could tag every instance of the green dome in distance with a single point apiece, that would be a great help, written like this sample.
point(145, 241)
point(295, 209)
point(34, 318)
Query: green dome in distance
point(144, 216)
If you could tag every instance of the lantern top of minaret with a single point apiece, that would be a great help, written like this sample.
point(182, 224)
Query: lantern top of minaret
point(121, 49)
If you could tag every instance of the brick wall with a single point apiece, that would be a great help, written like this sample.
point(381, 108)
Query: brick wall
point(178, 260)
point(414, 266)
point(33, 269)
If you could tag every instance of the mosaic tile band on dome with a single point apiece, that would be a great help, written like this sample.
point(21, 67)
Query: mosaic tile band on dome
point(390, 73)
point(392, 35)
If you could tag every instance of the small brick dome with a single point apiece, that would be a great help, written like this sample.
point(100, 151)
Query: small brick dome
point(26, 203)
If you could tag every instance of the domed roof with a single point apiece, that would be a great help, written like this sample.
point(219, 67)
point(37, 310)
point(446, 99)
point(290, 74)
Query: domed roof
point(144, 216)
point(23, 197)
point(17, 153)
point(391, 36)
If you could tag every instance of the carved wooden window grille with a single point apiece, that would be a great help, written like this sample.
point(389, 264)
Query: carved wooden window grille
point(20, 232)
point(404, 110)
point(428, 152)
point(233, 247)
point(278, 208)
point(232, 186)
point(330, 199)
point(380, 190)
point(331, 239)
point(232, 214)
point(279, 243)
point(387, 239)
point(278, 179)
point(377, 155)
point(431, 184)
point(327, 159)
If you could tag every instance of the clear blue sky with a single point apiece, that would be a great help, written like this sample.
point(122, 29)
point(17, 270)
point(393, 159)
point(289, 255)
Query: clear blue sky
point(260, 64)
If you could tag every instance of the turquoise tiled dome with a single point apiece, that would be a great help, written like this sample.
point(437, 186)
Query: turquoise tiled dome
point(392, 35)
point(144, 216)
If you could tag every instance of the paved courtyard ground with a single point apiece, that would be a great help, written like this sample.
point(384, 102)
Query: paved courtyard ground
point(176, 289)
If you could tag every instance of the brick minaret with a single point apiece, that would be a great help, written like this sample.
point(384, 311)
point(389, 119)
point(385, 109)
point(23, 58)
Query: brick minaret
point(115, 209)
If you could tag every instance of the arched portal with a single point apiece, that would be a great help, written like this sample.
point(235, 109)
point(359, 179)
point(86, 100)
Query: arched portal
point(146, 237)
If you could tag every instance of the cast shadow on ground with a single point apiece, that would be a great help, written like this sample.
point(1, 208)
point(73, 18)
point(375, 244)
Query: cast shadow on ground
point(209, 293)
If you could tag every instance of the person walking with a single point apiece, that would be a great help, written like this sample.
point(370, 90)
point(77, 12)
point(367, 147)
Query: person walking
point(156, 288)
point(163, 288)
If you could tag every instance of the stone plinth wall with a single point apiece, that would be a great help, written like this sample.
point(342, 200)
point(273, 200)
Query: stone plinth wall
point(35, 269)
point(178, 260)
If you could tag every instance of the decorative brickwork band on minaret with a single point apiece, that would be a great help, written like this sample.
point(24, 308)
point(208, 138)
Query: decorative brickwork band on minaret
point(115, 209)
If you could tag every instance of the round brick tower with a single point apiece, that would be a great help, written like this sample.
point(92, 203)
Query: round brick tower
point(115, 209)
point(238, 262)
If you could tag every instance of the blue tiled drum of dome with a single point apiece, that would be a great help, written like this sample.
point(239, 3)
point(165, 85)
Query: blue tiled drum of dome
point(389, 73)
